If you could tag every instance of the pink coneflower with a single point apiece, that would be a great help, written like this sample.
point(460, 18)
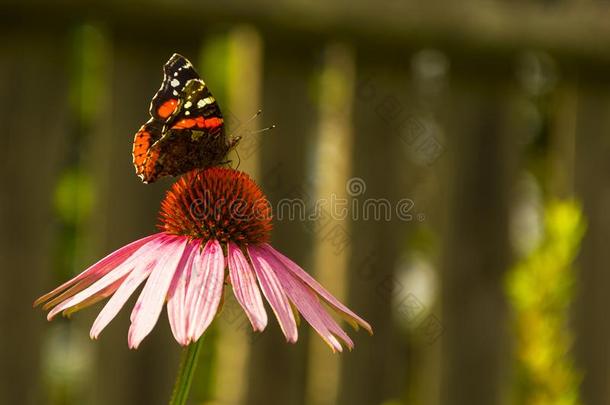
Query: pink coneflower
point(213, 222)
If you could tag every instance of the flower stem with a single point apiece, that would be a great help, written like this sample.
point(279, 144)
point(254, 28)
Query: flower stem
point(185, 373)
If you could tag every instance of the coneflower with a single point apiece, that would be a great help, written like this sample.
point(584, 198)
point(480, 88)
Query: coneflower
point(215, 226)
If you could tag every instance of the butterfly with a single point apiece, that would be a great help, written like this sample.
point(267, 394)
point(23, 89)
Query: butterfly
point(186, 129)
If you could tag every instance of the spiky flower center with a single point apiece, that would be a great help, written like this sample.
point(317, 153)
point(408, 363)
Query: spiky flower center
point(217, 203)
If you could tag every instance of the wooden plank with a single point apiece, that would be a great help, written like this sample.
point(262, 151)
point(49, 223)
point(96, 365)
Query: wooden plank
point(332, 169)
point(34, 109)
point(277, 370)
point(592, 345)
point(476, 252)
point(468, 29)
point(376, 371)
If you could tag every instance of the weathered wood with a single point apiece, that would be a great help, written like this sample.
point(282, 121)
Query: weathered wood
point(376, 370)
point(476, 253)
point(469, 29)
point(277, 369)
point(34, 112)
point(332, 169)
point(592, 345)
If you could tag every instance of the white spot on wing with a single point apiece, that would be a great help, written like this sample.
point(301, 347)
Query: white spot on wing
point(175, 74)
point(175, 93)
point(175, 83)
point(188, 104)
point(187, 113)
point(205, 101)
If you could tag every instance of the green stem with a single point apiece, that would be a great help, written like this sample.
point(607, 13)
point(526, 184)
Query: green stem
point(185, 373)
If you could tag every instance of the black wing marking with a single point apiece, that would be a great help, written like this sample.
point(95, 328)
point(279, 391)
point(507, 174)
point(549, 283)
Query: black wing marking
point(176, 73)
point(198, 110)
point(199, 101)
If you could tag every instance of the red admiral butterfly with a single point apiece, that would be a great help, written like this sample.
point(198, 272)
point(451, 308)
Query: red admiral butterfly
point(186, 129)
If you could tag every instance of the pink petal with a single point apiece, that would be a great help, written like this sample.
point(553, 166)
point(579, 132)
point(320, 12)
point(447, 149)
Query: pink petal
point(301, 274)
point(102, 295)
point(176, 296)
point(150, 302)
point(109, 278)
point(120, 297)
point(274, 293)
point(97, 270)
point(245, 288)
point(205, 288)
point(309, 306)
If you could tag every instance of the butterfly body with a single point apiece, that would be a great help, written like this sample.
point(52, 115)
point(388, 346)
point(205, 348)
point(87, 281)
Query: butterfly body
point(186, 128)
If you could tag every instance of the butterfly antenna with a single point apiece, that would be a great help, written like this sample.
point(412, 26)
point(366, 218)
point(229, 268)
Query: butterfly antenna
point(245, 124)
point(258, 131)
point(259, 112)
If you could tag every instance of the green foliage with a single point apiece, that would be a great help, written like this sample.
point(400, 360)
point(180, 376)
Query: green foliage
point(214, 65)
point(74, 196)
point(89, 67)
point(541, 288)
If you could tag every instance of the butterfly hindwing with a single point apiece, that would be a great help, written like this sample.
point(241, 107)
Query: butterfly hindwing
point(144, 139)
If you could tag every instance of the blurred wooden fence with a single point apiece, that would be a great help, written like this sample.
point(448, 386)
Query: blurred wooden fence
point(428, 103)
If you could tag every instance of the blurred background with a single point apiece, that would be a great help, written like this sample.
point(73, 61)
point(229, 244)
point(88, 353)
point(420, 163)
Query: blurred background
point(479, 131)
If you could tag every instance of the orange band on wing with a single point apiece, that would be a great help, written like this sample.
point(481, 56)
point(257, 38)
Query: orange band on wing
point(141, 143)
point(200, 122)
point(185, 124)
point(213, 122)
point(166, 109)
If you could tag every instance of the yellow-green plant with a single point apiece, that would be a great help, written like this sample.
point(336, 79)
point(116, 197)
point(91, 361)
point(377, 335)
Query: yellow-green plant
point(540, 289)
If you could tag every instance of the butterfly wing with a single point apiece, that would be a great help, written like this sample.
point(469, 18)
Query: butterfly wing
point(176, 73)
point(192, 138)
point(166, 102)
point(198, 111)
point(186, 130)
point(143, 159)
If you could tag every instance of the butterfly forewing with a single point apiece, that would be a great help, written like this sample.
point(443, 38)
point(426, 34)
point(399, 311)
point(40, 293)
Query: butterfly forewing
point(198, 110)
point(176, 73)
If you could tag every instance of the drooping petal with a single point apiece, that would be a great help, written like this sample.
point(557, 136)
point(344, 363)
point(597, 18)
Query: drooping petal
point(150, 302)
point(111, 277)
point(301, 274)
point(176, 296)
point(102, 295)
point(274, 293)
point(94, 272)
point(120, 297)
point(309, 306)
point(204, 290)
point(245, 288)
